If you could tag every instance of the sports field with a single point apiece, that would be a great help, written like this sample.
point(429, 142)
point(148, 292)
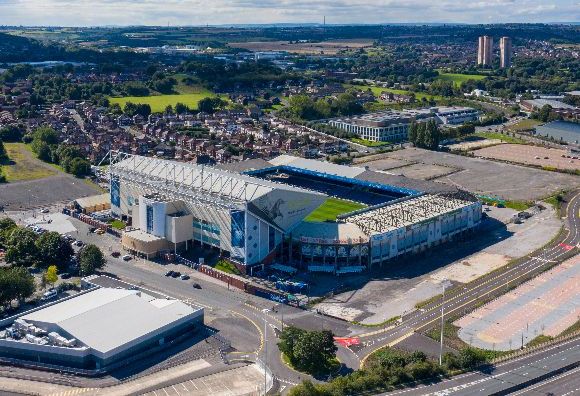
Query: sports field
point(331, 208)
point(158, 103)
point(459, 79)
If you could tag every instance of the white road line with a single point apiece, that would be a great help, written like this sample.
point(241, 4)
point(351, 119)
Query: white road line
point(194, 385)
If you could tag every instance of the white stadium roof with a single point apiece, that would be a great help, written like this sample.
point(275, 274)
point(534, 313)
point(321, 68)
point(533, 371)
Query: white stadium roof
point(194, 179)
point(109, 320)
point(317, 166)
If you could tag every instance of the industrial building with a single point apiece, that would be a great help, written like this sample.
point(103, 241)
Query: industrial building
point(98, 329)
point(393, 126)
point(485, 51)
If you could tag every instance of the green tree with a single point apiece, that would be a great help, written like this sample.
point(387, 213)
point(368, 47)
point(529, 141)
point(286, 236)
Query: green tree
point(80, 167)
point(7, 225)
point(314, 350)
point(50, 276)
point(91, 259)
point(16, 283)
point(53, 249)
point(413, 133)
point(3, 153)
point(22, 249)
point(180, 108)
point(288, 339)
point(432, 135)
point(470, 358)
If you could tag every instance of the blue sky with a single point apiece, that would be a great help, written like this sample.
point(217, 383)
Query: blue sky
point(201, 12)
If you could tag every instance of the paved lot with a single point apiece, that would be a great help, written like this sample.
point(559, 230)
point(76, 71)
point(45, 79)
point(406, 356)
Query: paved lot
point(482, 176)
point(530, 155)
point(40, 193)
point(420, 171)
point(547, 305)
point(402, 285)
point(240, 381)
point(475, 144)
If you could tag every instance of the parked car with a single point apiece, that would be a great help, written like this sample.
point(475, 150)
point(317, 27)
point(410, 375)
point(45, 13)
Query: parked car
point(196, 286)
point(116, 254)
point(44, 210)
point(169, 273)
point(127, 257)
point(78, 243)
point(65, 275)
point(49, 295)
point(176, 274)
point(100, 231)
point(184, 277)
point(92, 229)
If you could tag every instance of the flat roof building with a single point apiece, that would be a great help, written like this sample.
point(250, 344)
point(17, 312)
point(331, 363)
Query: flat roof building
point(98, 328)
point(393, 126)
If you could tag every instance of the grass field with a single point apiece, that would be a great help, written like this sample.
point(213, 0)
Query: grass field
point(369, 143)
point(189, 95)
point(24, 165)
point(378, 90)
point(524, 125)
point(496, 135)
point(459, 79)
point(331, 208)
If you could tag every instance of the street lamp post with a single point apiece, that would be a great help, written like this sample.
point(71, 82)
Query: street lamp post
point(442, 324)
point(265, 353)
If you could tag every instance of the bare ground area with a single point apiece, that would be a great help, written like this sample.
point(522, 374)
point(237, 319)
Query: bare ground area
point(481, 176)
point(323, 47)
point(530, 155)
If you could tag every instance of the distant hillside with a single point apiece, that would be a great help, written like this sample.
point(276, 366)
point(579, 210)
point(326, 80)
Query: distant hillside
point(22, 49)
point(19, 49)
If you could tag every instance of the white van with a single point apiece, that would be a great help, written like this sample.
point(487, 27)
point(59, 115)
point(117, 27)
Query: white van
point(49, 295)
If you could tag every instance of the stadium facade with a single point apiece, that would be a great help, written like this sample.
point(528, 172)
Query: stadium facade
point(255, 211)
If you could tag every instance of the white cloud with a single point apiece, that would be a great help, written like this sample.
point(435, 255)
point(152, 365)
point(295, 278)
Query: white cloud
point(201, 12)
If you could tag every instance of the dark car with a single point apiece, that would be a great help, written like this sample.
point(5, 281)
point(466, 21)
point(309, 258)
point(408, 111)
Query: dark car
point(65, 275)
point(116, 254)
point(196, 286)
point(176, 274)
point(184, 277)
point(169, 273)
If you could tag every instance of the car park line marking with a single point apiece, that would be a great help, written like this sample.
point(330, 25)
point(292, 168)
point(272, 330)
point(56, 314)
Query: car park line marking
point(195, 386)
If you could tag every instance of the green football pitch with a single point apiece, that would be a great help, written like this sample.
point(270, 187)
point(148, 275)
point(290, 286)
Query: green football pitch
point(331, 208)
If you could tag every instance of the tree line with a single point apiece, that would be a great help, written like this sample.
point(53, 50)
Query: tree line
point(425, 134)
point(45, 144)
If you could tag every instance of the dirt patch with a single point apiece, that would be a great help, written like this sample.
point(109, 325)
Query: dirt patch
point(530, 155)
point(323, 47)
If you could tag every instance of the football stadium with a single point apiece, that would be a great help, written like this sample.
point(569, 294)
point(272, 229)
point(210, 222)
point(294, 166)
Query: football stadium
point(292, 213)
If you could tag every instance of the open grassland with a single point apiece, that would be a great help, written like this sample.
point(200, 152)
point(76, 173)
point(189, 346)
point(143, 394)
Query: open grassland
point(524, 125)
point(378, 90)
point(459, 79)
point(369, 143)
point(23, 165)
point(331, 208)
point(189, 95)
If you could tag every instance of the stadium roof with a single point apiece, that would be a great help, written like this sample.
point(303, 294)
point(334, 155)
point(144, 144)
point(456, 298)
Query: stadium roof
point(108, 319)
point(202, 181)
point(317, 166)
point(404, 213)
